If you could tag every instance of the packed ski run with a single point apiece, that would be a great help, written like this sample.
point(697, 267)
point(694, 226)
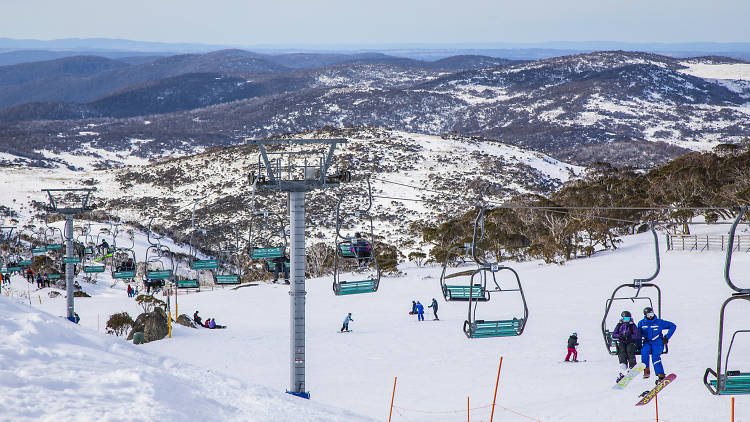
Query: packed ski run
point(58, 370)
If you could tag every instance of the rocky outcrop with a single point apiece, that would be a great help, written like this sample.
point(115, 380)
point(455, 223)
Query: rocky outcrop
point(153, 325)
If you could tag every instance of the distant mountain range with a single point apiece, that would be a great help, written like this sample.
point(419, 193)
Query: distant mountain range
point(627, 108)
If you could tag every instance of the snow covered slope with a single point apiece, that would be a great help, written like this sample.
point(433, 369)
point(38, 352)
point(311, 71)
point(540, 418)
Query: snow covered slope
point(52, 370)
point(460, 167)
point(436, 365)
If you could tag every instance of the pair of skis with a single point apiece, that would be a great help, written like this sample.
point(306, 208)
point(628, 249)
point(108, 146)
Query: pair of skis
point(646, 396)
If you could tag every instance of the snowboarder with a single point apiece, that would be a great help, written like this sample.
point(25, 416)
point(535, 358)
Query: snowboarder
point(420, 311)
point(413, 307)
point(197, 319)
point(434, 306)
point(348, 318)
point(572, 343)
point(654, 341)
point(628, 338)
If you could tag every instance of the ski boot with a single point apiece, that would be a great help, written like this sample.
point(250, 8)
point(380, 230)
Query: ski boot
point(646, 373)
point(619, 377)
point(660, 378)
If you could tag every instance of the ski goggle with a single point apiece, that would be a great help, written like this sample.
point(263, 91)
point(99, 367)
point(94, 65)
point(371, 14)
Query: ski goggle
point(626, 319)
point(650, 315)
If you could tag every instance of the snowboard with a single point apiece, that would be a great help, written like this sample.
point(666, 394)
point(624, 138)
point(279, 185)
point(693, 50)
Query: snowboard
point(648, 395)
point(345, 331)
point(632, 373)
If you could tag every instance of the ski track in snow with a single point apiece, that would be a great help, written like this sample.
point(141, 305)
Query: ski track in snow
point(53, 370)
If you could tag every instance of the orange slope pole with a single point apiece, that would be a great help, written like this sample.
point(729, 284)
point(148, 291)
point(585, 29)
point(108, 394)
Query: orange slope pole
point(392, 397)
point(497, 381)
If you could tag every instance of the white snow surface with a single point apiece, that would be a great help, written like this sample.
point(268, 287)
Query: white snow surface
point(53, 370)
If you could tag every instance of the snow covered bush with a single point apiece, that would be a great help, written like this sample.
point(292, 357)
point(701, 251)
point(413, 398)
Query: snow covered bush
point(119, 324)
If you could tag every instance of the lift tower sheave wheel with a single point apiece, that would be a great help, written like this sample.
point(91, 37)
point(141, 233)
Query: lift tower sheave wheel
point(296, 171)
point(69, 202)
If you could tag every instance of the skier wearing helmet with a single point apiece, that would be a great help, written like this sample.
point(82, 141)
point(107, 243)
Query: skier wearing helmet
point(654, 341)
point(572, 343)
point(628, 338)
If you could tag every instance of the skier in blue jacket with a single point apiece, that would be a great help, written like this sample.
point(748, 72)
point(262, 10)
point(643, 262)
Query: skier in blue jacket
point(654, 340)
point(420, 311)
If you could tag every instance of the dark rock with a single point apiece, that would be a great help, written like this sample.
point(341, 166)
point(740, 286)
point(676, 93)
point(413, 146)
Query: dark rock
point(153, 325)
point(53, 294)
point(186, 321)
point(81, 294)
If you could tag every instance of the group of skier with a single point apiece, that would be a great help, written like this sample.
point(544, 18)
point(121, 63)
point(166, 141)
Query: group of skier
point(418, 309)
point(648, 336)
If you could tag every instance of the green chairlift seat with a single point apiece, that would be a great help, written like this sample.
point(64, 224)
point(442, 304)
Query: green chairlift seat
point(345, 250)
point(499, 328)
point(355, 287)
point(158, 274)
point(271, 266)
point(734, 383)
point(94, 269)
point(5, 271)
point(25, 263)
point(123, 274)
point(53, 247)
point(37, 251)
point(188, 284)
point(14, 269)
point(462, 293)
point(266, 253)
point(54, 276)
point(227, 279)
point(204, 264)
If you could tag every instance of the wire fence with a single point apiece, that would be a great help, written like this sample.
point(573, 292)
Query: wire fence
point(706, 242)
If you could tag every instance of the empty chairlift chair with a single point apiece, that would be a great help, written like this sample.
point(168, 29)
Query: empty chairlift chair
point(457, 286)
point(474, 327)
point(725, 381)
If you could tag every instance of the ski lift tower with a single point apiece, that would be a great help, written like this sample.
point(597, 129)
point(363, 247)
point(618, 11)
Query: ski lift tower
point(69, 202)
point(294, 167)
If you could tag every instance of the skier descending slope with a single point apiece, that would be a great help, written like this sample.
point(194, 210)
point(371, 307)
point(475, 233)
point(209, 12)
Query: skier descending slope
point(628, 337)
point(654, 340)
point(572, 343)
point(345, 326)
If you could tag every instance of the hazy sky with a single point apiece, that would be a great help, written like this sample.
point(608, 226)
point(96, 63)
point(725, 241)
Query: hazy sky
point(301, 22)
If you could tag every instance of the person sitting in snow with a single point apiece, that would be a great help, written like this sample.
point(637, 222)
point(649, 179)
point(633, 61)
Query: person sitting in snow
point(197, 319)
point(572, 343)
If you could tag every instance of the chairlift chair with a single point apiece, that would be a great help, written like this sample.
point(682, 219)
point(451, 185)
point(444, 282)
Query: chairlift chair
point(471, 253)
point(724, 381)
point(638, 285)
point(481, 328)
point(349, 256)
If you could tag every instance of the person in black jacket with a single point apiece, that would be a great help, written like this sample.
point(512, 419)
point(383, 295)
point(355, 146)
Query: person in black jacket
point(434, 306)
point(572, 343)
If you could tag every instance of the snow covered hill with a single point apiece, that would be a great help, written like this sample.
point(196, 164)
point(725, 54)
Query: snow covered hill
point(46, 360)
point(52, 370)
point(627, 108)
point(461, 168)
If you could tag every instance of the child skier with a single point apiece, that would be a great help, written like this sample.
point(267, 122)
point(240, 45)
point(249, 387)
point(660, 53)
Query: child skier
point(348, 318)
point(413, 307)
point(654, 341)
point(572, 343)
point(628, 337)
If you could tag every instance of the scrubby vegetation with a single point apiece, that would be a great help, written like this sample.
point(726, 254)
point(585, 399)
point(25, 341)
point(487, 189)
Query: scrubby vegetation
point(119, 324)
point(716, 181)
